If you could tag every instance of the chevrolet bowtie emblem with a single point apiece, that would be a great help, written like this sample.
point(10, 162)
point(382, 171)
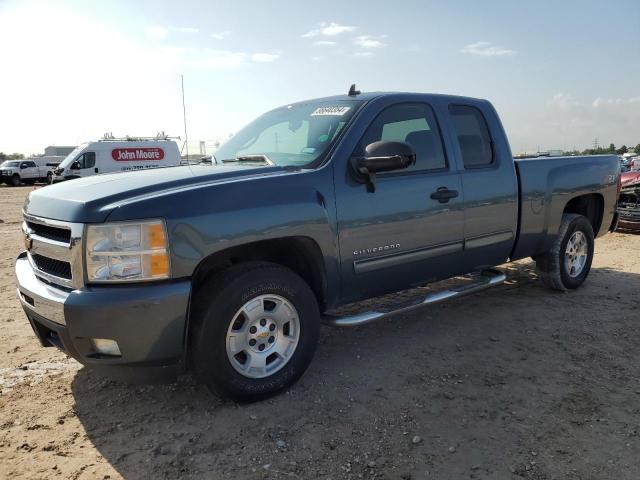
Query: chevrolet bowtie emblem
point(28, 242)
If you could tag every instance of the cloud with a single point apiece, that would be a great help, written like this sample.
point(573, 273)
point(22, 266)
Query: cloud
point(184, 29)
point(329, 29)
point(602, 102)
point(324, 43)
point(156, 32)
point(220, 35)
point(213, 59)
point(366, 41)
point(566, 121)
point(363, 54)
point(564, 100)
point(264, 57)
point(486, 49)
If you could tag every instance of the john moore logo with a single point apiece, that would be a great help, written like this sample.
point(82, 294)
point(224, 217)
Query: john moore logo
point(383, 248)
point(133, 154)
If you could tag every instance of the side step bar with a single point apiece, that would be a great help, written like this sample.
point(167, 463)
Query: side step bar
point(487, 278)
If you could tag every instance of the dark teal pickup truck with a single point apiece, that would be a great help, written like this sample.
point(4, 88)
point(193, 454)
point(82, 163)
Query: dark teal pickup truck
point(229, 269)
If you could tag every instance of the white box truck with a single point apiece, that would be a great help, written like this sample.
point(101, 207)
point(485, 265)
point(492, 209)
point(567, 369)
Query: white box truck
point(117, 155)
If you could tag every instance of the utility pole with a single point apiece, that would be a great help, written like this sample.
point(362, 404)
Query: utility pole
point(595, 144)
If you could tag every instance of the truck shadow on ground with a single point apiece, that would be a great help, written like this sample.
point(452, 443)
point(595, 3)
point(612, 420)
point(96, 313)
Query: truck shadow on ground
point(470, 386)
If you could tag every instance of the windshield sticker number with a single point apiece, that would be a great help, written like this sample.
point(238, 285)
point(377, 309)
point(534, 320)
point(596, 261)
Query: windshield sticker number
point(330, 111)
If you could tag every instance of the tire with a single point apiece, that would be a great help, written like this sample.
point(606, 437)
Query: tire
point(566, 265)
point(15, 180)
point(220, 335)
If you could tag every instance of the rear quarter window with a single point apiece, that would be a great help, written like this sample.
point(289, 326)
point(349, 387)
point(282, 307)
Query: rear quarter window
point(472, 134)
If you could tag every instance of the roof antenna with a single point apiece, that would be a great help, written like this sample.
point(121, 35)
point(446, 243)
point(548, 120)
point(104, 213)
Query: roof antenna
point(184, 117)
point(352, 91)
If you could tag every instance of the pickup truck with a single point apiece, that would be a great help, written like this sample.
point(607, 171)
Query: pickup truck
point(228, 270)
point(17, 172)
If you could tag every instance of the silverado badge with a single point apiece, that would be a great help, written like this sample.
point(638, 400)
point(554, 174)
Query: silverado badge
point(382, 248)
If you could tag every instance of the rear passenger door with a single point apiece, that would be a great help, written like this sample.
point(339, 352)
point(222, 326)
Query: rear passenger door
point(400, 235)
point(489, 184)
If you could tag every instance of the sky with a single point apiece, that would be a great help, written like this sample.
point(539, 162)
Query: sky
point(560, 73)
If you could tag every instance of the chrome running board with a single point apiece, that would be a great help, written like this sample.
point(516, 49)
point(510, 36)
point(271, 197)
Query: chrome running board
point(487, 278)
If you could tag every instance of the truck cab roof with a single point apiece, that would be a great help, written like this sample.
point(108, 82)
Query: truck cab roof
point(367, 96)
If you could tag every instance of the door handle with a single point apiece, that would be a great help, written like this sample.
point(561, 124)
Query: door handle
point(443, 194)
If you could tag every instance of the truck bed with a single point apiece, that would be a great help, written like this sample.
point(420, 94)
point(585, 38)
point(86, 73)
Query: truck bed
point(546, 186)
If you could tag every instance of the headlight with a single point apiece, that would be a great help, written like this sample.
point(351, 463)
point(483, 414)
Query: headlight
point(125, 252)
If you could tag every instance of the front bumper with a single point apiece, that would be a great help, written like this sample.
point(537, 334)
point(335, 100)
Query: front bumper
point(629, 218)
point(147, 321)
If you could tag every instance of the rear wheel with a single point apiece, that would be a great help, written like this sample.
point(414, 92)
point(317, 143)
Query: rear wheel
point(15, 180)
point(254, 331)
point(567, 264)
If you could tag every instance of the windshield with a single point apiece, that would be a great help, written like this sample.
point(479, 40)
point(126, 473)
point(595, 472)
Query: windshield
point(71, 157)
point(295, 135)
point(9, 164)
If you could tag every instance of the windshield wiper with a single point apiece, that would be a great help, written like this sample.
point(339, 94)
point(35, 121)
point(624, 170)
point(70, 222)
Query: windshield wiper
point(250, 158)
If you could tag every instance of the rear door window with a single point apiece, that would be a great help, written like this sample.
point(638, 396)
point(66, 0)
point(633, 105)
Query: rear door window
point(472, 135)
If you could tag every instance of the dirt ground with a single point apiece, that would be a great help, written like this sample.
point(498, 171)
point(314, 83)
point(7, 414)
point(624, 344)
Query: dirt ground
point(515, 382)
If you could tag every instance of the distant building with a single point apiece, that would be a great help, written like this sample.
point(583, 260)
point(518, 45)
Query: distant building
point(56, 151)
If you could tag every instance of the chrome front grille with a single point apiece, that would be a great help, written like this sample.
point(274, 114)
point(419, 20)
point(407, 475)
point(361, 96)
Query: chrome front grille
point(52, 233)
point(52, 266)
point(54, 250)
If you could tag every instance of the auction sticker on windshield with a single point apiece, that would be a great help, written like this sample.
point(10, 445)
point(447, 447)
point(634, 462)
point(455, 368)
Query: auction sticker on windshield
point(334, 111)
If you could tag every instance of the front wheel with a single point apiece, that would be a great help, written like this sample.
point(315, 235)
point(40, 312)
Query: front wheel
point(15, 180)
point(567, 264)
point(254, 331)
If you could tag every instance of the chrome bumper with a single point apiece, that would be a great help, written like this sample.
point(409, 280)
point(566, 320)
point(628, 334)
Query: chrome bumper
point(37, 296)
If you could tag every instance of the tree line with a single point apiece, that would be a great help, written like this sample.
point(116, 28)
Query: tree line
point(10, 156)
point(611, 149)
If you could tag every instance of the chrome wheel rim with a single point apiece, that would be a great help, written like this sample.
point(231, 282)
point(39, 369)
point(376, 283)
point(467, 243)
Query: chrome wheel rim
point(263, 336)
point(575, 255)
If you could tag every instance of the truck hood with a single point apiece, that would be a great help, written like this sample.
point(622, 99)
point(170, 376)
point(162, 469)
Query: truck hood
point(92, 199)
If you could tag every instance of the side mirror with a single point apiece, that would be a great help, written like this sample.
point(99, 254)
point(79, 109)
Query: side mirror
point(75, 166)
point(382, 157)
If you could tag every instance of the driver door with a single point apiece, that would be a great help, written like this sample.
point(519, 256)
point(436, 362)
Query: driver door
point(398, 236)
point(86, 165)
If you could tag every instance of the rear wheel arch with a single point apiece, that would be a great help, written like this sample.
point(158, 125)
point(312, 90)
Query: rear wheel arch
point(590, 206)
